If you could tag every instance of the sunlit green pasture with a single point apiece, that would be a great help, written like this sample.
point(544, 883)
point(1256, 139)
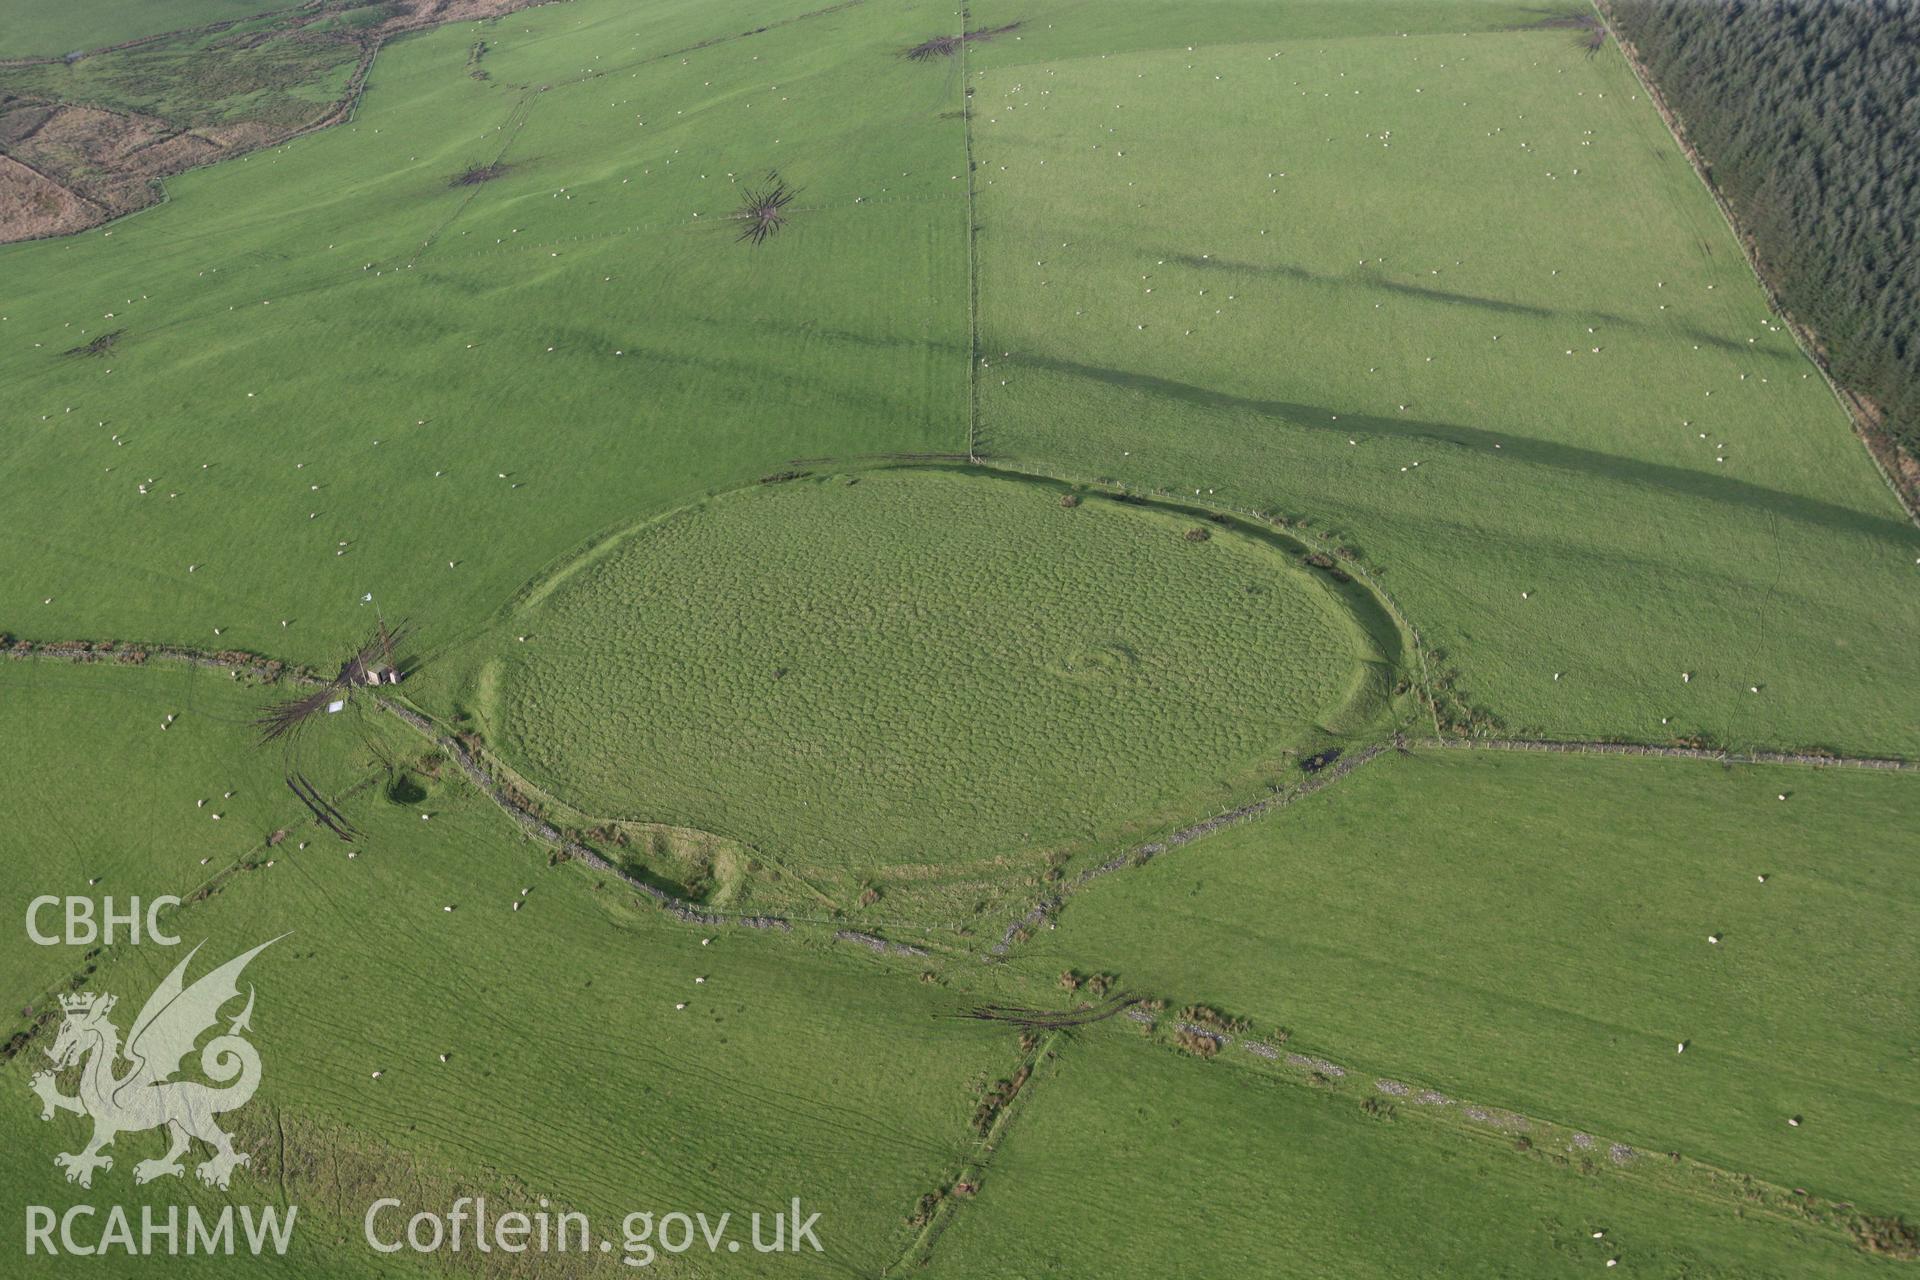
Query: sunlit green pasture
point(595, 1051)
point(1449, 291)
point(1535, 932)
point(1250, 1175)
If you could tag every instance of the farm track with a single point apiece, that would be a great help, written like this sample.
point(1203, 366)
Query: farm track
point(523, 109)
point(1054, 1019)
point(516, 121)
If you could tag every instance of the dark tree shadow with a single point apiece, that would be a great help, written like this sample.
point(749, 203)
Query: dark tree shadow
point(1563, 457)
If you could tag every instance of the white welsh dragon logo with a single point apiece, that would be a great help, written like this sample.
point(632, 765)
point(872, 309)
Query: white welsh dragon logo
point(145, 1097)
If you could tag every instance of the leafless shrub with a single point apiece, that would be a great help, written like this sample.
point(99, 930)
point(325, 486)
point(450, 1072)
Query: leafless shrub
point(1196, 1043)
point(764, 211)
point(100, 346)
point(947, 46)
point(480, 173)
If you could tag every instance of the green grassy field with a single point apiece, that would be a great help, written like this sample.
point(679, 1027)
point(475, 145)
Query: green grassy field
point(574, 325)
point(1257, 1177)
point(558, 1020)
point(1448, 290)
point(1410, 287)
point(105, 794)
point(436, 307)
point(29, 29)
point(842, 672)
point(1532, 932)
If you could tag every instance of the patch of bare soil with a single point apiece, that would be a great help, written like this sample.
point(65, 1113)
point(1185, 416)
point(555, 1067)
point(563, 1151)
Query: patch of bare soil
point(33, 205)
point(101, 136)
point(65, 167)
point(480, 173)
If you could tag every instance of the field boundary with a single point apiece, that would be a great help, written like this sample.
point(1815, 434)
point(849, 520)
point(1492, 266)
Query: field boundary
point(699, 46)
point(339, 110)
point(1353, 568)
point(975, 1165)
point(545, 832)
point(1528, 1136)
point(1600, 748)
point(1017, 930)
point(1042, 913)
point(973, 254)
point(129, 653)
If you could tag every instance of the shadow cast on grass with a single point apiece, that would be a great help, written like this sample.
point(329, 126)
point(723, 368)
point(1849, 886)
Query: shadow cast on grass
point(1562, 457)
point(1425, 293)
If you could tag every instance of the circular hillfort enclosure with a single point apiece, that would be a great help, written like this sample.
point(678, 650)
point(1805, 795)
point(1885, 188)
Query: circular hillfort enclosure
point(924, 668)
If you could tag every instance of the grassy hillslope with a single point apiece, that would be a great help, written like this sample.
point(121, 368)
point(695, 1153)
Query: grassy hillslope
point(308, 335)
point(569, 1071)
point(99, 791)
point(1131, 1160)
point(1531, 932)
point(1450, 292)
